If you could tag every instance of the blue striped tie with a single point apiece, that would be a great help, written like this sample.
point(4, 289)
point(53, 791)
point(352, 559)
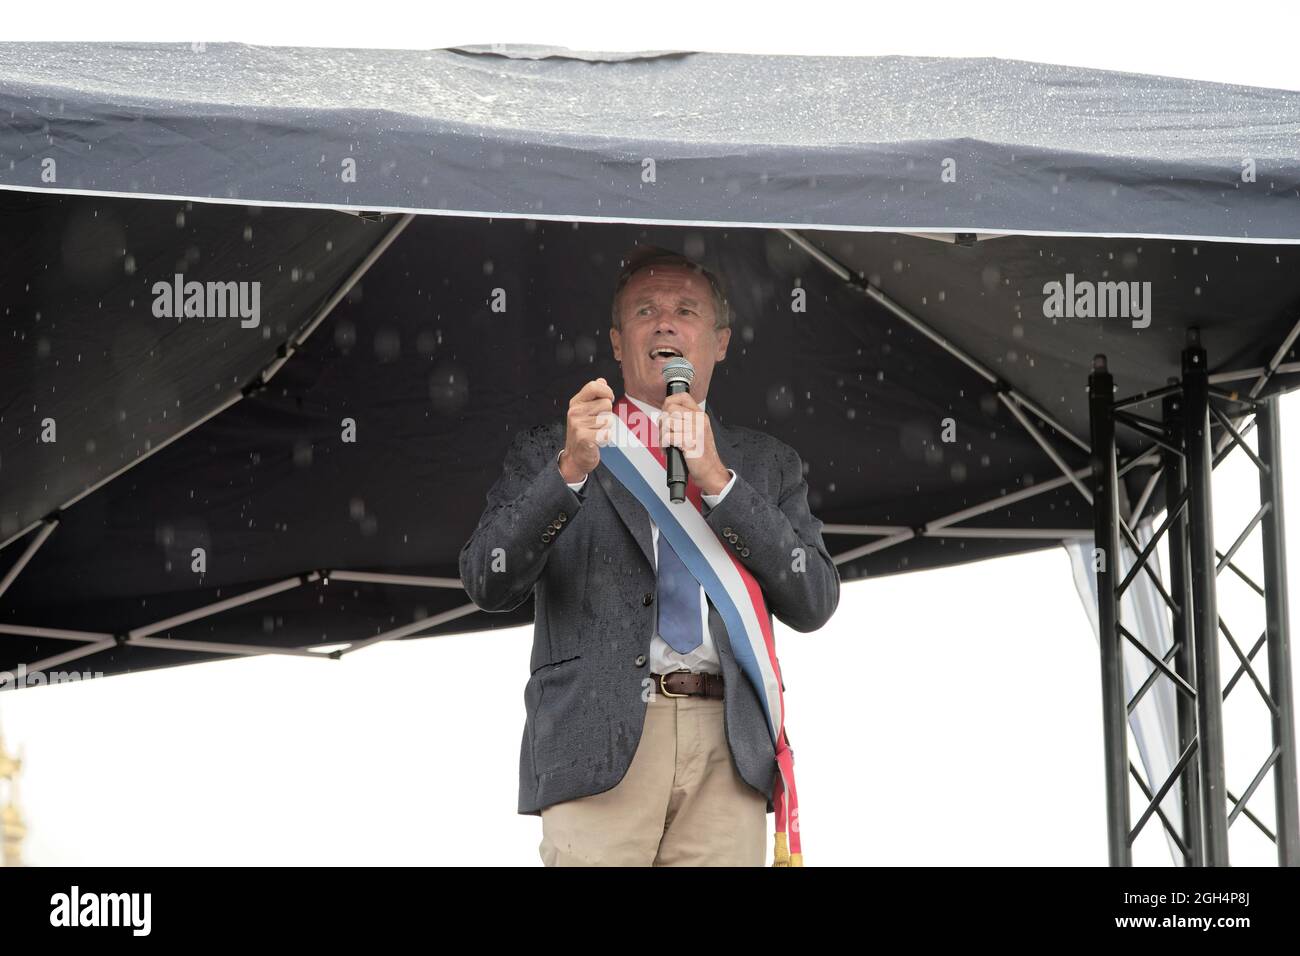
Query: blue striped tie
point(679, 601)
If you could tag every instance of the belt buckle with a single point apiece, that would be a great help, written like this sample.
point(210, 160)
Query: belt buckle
point(666, 691)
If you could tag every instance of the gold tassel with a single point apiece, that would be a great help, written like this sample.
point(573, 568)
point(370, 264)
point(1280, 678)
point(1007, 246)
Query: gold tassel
point(781, 853)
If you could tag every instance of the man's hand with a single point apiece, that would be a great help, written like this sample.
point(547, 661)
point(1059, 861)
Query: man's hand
point(683, 424)
point(581, 453)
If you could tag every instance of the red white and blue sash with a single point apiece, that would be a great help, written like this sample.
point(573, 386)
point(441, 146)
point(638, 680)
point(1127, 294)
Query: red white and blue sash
point(633, 455)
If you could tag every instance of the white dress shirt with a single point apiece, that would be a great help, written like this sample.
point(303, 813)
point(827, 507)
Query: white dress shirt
point(663, 659)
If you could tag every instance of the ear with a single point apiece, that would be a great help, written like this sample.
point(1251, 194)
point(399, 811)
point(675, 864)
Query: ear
point(724, 337)
point(616, 340)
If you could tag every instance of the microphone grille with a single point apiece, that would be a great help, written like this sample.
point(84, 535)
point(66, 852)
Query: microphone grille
point(678, 370)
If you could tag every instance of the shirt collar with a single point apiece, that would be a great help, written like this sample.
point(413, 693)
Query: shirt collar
point(651, 410)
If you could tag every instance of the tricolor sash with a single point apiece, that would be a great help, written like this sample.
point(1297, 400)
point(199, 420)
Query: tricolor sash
point(634, 457)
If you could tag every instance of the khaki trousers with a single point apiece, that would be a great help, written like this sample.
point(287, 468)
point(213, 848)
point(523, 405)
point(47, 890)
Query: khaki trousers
point(681, 803)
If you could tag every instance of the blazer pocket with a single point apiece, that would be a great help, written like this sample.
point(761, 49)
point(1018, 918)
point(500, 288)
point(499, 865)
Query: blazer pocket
point(555, 725)
point(553, 664)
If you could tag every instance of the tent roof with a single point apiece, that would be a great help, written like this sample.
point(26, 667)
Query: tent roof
point(835, 142)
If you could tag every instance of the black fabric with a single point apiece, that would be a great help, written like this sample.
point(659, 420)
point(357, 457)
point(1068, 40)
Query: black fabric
point(438, 383)
point(84, 348)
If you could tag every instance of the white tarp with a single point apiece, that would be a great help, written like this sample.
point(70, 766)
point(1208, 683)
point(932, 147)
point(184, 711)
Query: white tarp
point(1154, 722)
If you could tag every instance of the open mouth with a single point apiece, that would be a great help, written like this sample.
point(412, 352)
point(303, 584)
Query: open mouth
point(662, 353)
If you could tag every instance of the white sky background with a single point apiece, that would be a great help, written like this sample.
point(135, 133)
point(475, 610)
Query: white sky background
point(1247, 43)
point(942, 717)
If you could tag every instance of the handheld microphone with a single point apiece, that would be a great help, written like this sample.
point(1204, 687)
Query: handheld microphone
point(678, 374)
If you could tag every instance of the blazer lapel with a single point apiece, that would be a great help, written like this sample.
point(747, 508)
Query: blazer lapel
point(631, 511)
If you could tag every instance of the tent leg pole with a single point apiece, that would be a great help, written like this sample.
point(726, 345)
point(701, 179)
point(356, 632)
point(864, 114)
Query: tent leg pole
point(1205, 616)
point(1104, 485)
point(1180, 586)
point(1279, 633)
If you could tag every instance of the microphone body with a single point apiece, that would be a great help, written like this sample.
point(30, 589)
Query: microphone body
point(676, 460)
point(678, 374)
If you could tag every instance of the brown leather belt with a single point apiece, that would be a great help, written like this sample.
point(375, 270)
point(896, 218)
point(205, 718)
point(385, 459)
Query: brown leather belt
point(688, 684)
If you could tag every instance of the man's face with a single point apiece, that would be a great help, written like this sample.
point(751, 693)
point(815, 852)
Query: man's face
point(666, 306)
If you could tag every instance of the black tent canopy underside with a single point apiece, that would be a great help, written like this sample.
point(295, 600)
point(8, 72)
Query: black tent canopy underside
point(271, 491)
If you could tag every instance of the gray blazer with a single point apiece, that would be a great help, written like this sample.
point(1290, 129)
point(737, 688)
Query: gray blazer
point(588, 558)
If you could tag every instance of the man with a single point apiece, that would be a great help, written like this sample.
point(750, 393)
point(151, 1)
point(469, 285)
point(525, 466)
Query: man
point(645, 743)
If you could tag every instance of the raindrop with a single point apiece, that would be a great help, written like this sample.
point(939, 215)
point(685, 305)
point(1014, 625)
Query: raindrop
point(780, 401)
point(388, 345)
point(448, 388)
point(584, 348)
point(345, 335)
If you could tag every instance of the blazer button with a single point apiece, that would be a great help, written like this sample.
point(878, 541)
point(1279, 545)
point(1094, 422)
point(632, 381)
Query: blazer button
point(563, 517)
point(726, 532)
point(732, 537)
point(640, 660)
point(546, 537)
point(647, 599)
point(744, 552)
